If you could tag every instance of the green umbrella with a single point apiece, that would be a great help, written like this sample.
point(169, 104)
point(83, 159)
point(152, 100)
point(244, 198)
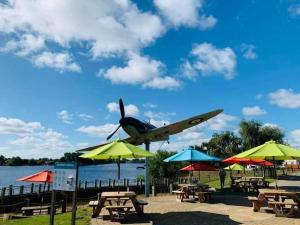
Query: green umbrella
point(236, 167)
point(117, 150)
point(271, 150)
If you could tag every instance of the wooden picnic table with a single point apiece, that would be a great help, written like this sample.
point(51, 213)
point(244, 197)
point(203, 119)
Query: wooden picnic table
point(274, 198)
point(111, 196)
point(277, 200)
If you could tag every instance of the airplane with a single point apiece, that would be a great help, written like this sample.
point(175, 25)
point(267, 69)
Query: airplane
point(144, 132)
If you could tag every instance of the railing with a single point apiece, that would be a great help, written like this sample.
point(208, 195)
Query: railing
point(40, 188)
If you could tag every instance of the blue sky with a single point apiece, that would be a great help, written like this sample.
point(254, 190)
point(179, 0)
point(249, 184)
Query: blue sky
point(64, 64)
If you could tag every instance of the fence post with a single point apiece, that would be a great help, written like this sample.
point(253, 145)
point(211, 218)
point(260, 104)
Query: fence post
point(100, 184)
point(21, 192)
point(114, 183)
point(109, 182)
point(10, 190)
point(171, 188)
point(96, 183)
point(153, 190)
point(124, 182)
point(40, 188)
point(3, 190)
point(85, 185)
point(79, 184)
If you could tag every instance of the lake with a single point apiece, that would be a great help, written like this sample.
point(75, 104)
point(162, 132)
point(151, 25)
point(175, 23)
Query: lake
point(9, 174)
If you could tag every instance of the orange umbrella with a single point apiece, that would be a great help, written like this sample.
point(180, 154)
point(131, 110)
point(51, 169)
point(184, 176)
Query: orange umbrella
point(198, 167)
point(246, 161)
point(45, 176)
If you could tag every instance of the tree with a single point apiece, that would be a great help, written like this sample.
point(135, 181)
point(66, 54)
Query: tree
point(14, 161)
point(159, 169)
point(223, 145)
point(2, 160)
point(253, 133)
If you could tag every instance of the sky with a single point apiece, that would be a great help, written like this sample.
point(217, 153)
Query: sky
point(65, 64)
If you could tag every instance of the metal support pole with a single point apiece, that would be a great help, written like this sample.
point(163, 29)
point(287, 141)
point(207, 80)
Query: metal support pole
point(52, 212)
point(147, 175)
point(74, 203)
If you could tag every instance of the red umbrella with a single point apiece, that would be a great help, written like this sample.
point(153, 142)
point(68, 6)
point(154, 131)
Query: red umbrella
point(198, 167)
point(247, 161)
point(45, 176)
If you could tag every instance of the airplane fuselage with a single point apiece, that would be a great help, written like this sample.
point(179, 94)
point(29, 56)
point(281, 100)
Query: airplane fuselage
point(134, 127)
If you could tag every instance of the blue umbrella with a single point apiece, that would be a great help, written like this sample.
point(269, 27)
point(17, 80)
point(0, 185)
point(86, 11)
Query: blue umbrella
point(191, 155)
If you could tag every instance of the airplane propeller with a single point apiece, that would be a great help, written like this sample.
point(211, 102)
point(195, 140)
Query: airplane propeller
point(122, 111)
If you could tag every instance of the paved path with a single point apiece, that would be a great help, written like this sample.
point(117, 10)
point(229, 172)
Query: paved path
point(224, 210)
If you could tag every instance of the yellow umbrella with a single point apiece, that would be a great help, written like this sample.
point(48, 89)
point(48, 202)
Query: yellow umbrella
point(117, 150)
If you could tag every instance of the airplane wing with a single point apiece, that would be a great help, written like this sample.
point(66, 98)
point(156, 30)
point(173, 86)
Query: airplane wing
point(162, 133)
point(174, 128)
point(131, 140)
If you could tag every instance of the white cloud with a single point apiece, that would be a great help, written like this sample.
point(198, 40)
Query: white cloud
point(188, 70)
point(108, 27)
point(190, 135)
point(27, 44)
point(140, 70)
point(285, 98)
point(163, 83)
point(149, 105)
point(59, 61)
point(85, 117)
point(294, 9)
point(18, 127)
point(259, 96)
point(248, 51)
point(130, 110)
point(185, 13)
point(253, 111)
point(159, 115)
point(295, 138)
point(271, 125)
point(220, 122)
point(43, 144)
point(65, 116)
point(210, 60)
point(159, 123)
point(98, 131)
point(31, 139)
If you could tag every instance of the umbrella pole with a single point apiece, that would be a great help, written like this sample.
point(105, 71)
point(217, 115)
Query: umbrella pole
point(118, 162)
point(275, 173)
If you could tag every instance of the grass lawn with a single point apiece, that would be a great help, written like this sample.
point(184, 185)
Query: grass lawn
point(83, 218)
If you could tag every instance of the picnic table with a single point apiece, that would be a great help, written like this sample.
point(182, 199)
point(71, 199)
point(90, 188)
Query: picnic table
point(120, 198)
point(199, 190)
point(250, 183)
point(276, 199)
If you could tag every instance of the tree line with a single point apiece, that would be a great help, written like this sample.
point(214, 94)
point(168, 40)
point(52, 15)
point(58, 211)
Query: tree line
point(223, 144)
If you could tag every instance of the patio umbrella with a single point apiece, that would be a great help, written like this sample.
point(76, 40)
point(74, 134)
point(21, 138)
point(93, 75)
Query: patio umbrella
point(198, 167)
point(247, 161)
point(191, 155)
point(117, 150)
point(271, 151)
point(235, 167)
point(45, 176)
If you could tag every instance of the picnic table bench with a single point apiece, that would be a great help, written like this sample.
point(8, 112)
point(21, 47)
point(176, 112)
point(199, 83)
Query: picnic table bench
point(204, 196)
point(281, 210)
point(118, 212)
point(29, 210)
point(179, 195)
